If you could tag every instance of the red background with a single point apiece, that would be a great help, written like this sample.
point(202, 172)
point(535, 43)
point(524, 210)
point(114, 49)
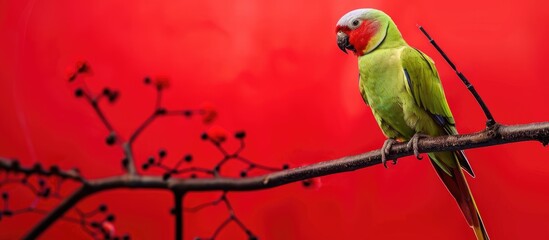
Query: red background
point(273, 69)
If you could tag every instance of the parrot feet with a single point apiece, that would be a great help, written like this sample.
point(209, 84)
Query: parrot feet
point(412, 144)
point(385, 149)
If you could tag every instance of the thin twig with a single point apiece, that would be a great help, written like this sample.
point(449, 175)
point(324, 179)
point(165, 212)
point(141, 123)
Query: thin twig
point(205, 205)
point(218, 229)
point(142, 127)
point(12, 165)
point(94, 103)
point(232, 217)
point(489, 118)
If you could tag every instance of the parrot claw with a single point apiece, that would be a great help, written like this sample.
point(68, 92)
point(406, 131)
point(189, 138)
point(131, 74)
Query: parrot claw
point(412, 144)
point(385, 149)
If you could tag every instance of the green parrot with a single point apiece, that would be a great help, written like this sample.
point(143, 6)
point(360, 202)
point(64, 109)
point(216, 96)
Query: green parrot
point(402, 87)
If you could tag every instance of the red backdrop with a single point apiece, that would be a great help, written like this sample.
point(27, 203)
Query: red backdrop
point(274, 70)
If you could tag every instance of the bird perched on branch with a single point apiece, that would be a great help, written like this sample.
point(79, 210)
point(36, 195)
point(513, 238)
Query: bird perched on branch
point(402, 87)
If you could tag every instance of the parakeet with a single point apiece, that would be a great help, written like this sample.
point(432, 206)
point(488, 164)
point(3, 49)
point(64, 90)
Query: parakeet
point(402, 87)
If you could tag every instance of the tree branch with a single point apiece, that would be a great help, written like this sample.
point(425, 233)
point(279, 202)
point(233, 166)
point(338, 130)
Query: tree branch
point(13, 165)
point(178, 210)
point(496, 135)
point(129, 161)
point(58, 212)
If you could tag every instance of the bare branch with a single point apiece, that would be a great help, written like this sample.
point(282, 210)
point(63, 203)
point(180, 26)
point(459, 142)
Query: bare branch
point(496, 135)
point(178, 210)
point(12, 165)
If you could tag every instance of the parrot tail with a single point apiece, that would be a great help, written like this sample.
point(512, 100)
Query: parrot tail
point(457, 185)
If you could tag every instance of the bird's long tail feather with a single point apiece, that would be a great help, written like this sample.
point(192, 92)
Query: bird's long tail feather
point(457, 185)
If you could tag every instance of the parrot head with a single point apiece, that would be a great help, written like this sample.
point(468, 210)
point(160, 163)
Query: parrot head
point(363, 30)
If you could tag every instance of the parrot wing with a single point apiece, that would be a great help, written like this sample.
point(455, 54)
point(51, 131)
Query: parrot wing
point(423, 83)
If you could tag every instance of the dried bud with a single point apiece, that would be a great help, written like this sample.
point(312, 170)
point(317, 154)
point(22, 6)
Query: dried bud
point(94, 224)
point(208, 112)
point(82, 67)
point(113, 96)
point(162, 153)
point(111, 139)
point(204, 136)
point(108, 229)
point(217, 134)
point(312, 183)
point(162, 83)
point(72, 77)
point(102, 208)
point(145, 166)
point(147, 80)
point(106, 91)
point(187, 113)
point(240, 135)
point(110, 218)
point(78, 92)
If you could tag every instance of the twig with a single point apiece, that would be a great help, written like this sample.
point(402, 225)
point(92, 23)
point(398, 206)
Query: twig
point(232, 217)
point(489, 118)
point(94, 103)
point(206, 204)
point(142, 127)
point(12, 165)
point(236, 155)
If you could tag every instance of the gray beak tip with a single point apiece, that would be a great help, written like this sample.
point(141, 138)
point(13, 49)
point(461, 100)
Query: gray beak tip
point(343, 42)
point(343, 49)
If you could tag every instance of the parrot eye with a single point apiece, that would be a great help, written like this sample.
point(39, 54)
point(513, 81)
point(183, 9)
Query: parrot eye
point(356, 22)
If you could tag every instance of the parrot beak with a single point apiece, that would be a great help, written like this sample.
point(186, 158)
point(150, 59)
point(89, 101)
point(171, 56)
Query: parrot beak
point(343, 42)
